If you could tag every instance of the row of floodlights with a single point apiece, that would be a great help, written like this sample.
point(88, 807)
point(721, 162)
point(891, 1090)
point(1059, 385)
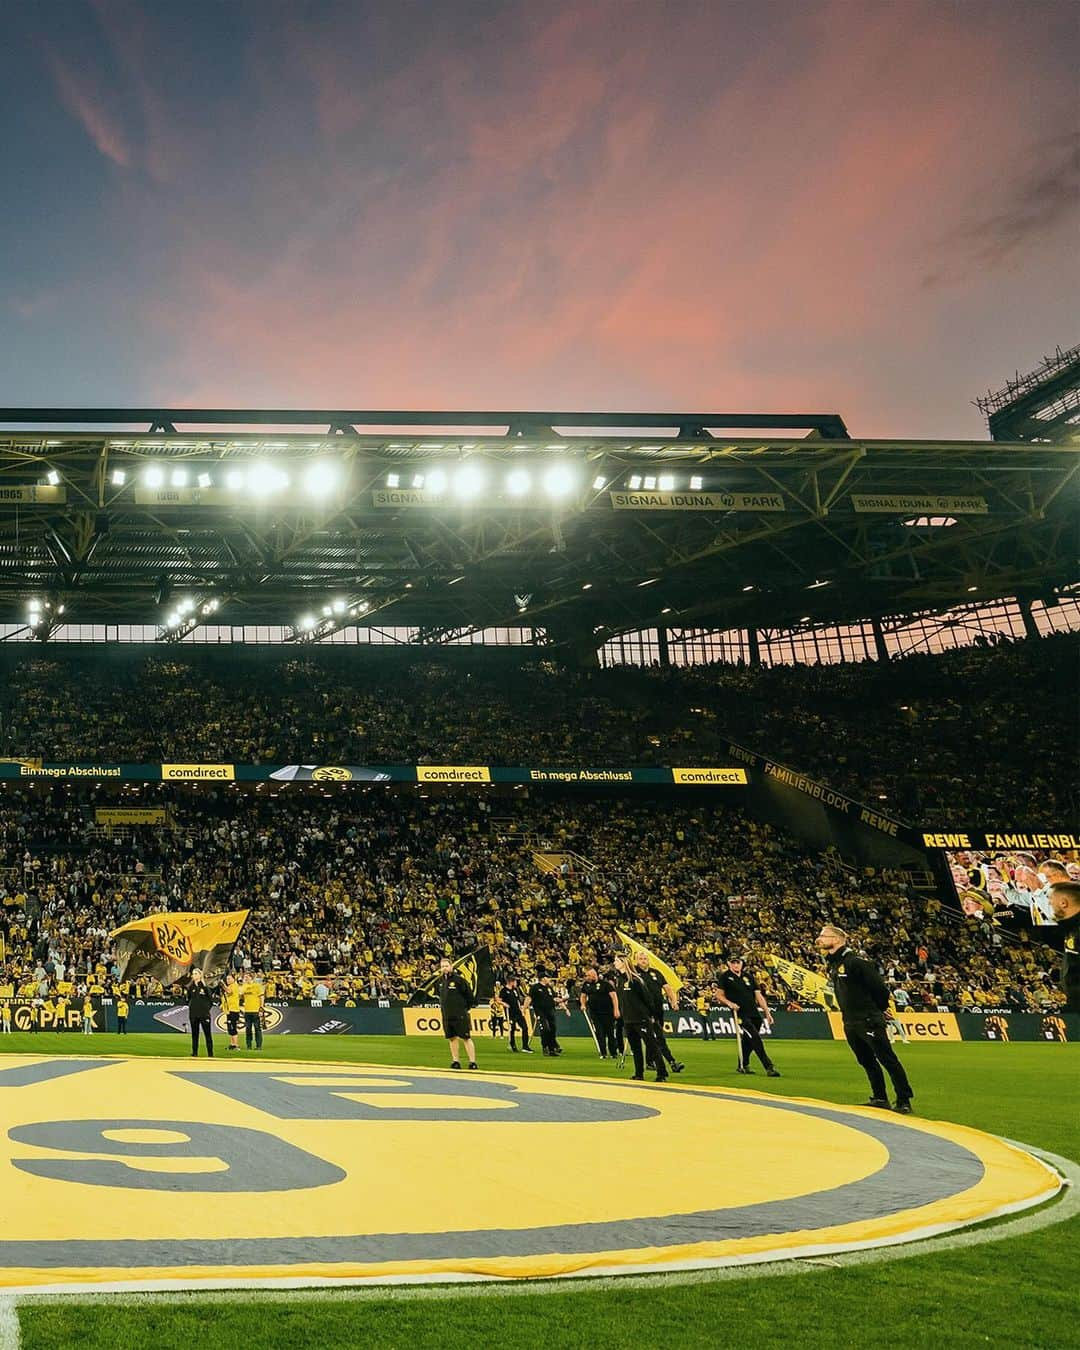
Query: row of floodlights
point(559, 480)
point(323, 477)
point(331, 615)
point(261, 479)
point(41, 611)
point(471, 479)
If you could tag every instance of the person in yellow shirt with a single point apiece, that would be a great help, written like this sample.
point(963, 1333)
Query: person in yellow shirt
point(230, 1006)
point(87, 1016)
point(60, 1009)
point(251, 998)
point(121, 1015)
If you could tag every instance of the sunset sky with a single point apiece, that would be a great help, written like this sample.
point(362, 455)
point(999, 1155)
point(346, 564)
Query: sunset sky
point(870, 208)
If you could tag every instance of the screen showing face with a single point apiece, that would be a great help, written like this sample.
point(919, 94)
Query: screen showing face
point(987, 879)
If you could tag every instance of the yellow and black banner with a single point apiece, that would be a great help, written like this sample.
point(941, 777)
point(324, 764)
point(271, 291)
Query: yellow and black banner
point(475, 966)
point(168, 947)
point(809, 985)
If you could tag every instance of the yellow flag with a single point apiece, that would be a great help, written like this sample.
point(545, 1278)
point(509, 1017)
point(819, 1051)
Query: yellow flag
point(169, 947)
point(808, 984)
point(633, 947)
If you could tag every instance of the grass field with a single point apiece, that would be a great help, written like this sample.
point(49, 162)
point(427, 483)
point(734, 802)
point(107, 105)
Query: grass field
point(1016, 1291)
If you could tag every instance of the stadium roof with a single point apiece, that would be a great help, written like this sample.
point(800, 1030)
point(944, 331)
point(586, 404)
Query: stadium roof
point(582, 524)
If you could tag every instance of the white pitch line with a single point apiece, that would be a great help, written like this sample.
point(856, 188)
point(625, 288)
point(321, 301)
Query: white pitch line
point(9, 1324)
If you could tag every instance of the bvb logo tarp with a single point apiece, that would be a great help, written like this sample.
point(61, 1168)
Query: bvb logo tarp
point(143, 1170)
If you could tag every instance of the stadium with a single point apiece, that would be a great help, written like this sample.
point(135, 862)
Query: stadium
point(614, 717)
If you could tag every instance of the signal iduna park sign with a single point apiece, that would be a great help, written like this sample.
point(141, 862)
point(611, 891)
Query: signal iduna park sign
point(698, 501)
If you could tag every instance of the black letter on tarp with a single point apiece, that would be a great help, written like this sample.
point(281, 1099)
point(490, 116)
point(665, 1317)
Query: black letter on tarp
point(321, 1099)
point(256, 1162)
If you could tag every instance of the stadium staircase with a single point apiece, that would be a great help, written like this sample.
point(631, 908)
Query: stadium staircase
point(576, 863)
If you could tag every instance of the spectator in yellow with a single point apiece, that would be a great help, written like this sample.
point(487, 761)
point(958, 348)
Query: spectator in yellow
point(121, 1015)
point(87, 1016)
point(251, 998)
point(230, 1006)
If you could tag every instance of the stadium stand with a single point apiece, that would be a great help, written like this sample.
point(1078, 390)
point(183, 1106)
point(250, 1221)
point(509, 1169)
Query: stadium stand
point(360, 892)
point(988, 730)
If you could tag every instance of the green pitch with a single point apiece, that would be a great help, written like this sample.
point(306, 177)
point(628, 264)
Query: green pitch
point(1017, 1291)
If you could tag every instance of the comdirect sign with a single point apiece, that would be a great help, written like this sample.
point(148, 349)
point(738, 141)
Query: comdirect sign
point(198, 773)
point(300, 1172)
point(920, 1026)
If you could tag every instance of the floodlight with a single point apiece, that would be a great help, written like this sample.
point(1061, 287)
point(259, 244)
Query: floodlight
point(393, 480)
point(667, 482)
point(518, 482)
point(327, 611)
point(307, 623)
point(186, 605)
point(418, 480)
point(204, 480)
point(650, 482)
point(599, 483)
point(321, 478)
point(559, 480)
point(468, 480)
point(338, 606)
point(179, 478)
point(696, 483)
point(154, 477)
point(635, 482)
point(52, 478)
point(119, 477)
point(436, 481)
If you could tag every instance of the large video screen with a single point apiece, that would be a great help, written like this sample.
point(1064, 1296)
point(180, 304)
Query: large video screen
point(997, 870)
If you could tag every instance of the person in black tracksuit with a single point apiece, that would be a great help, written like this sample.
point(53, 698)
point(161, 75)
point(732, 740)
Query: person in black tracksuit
point(598, 1001)
point(200, 1005)
point(636, 1006)
point(542, 1002)
point(863, 997)
point(455, 1000)
point(657, 986)
point(511, 997)
point(738, 990)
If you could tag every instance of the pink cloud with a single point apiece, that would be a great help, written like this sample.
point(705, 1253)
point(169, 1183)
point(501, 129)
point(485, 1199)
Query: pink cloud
point(573, 225)
point(89, 106)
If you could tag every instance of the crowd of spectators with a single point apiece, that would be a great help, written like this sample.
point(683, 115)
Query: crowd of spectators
point(970, 733)
point(356, 892)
